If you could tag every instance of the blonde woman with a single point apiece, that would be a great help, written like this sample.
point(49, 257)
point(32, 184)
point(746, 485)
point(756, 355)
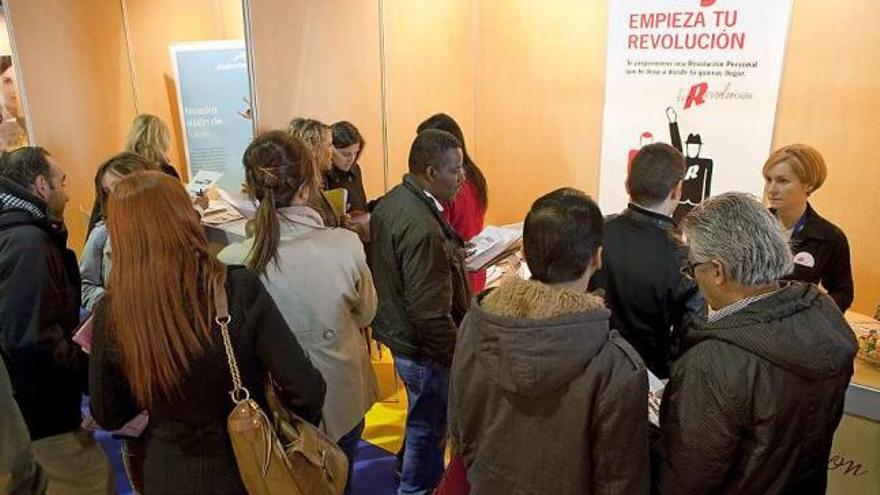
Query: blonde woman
point(150, 138)
point(318, 139)
point(820, 248)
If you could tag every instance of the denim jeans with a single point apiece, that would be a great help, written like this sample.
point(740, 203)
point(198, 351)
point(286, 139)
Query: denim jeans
point(349, 444)
point(427, 389)
point(133, 452)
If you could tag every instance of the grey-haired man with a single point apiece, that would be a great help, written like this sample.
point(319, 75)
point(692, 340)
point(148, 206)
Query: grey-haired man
point(752, 405)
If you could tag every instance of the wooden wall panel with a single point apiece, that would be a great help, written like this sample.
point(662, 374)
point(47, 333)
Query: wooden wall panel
point(153, 25)
point(429, 68)
point(830, 98)
point(540, 81)
point(525, 80)
point(74, 68)
point(5, 48)
point(321, 60)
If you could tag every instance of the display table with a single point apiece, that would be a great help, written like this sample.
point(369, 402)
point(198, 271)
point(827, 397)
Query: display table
point(220, 236)
point(854, 466)
point(863, 396)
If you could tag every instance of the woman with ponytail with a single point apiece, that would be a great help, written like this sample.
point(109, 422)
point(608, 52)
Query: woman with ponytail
point(156, 346)
point(317, 275)
point(466, 213)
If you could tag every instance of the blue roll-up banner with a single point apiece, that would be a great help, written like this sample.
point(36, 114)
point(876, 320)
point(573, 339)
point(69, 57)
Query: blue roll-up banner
point(213, 91)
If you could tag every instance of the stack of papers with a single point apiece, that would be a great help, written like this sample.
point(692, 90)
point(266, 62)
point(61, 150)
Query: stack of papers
point(220, 212)
point(492, 245)
point(240, 202)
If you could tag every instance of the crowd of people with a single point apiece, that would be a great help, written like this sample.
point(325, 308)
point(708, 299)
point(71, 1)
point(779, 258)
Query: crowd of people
point(535, 386)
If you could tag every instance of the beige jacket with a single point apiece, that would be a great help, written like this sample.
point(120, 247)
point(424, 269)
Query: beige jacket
point(324, 289)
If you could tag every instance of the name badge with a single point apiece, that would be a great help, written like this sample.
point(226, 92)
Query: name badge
point(805, 259)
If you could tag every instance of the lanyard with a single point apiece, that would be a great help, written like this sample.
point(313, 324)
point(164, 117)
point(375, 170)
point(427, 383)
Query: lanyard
point(799, 226)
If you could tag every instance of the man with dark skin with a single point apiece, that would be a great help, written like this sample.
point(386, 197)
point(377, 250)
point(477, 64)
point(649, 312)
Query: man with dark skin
point(420, 279)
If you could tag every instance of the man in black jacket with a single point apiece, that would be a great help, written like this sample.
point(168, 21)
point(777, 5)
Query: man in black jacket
point(418, 270)
point(39, 311)
point(651, 302)
point(752, 405)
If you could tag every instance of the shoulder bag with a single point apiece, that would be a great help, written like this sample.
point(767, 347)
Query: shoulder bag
point(287, 455)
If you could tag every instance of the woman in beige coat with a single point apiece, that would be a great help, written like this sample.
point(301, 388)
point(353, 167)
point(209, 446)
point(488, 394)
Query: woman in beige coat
point(318, 277)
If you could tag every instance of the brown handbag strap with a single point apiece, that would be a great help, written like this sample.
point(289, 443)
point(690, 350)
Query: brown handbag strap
point(221, 305)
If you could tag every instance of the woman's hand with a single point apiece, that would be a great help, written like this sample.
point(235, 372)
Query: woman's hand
point(359, 222)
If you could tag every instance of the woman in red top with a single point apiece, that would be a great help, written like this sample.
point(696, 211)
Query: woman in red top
point(466, 213)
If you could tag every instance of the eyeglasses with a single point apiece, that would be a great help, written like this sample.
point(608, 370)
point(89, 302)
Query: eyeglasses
point(688, 268)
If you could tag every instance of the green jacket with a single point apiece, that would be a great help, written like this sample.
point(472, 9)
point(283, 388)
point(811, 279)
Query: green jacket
point(19, 472)
point(418, 270)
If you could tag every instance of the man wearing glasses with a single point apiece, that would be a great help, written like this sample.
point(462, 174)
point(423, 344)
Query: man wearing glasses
point(752, 404)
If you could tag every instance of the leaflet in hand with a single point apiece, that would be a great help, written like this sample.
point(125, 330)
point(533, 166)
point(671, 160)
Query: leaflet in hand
point(83, 335)
point(338, 199)
point(203, 181)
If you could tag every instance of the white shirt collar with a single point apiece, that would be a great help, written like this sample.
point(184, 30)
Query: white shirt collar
point(436, 203)
point(738, 306)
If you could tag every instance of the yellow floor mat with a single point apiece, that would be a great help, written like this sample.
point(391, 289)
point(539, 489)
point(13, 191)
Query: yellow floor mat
point(385, 420)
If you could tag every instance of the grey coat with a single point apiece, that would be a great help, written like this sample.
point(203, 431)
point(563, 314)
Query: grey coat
point(94, 268)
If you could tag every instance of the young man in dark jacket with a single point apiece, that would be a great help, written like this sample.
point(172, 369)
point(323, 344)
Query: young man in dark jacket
point(418, 270)
point(651, 302)
point(544, 396)
point(752, 405)
point(39, 310)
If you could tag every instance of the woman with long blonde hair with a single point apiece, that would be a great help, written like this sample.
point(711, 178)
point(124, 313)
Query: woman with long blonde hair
point(156, 346)
point(318, 139)
point(150, 138)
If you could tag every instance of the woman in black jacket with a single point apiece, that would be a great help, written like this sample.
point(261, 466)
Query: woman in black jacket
point(820, 248)
point(156, 346)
